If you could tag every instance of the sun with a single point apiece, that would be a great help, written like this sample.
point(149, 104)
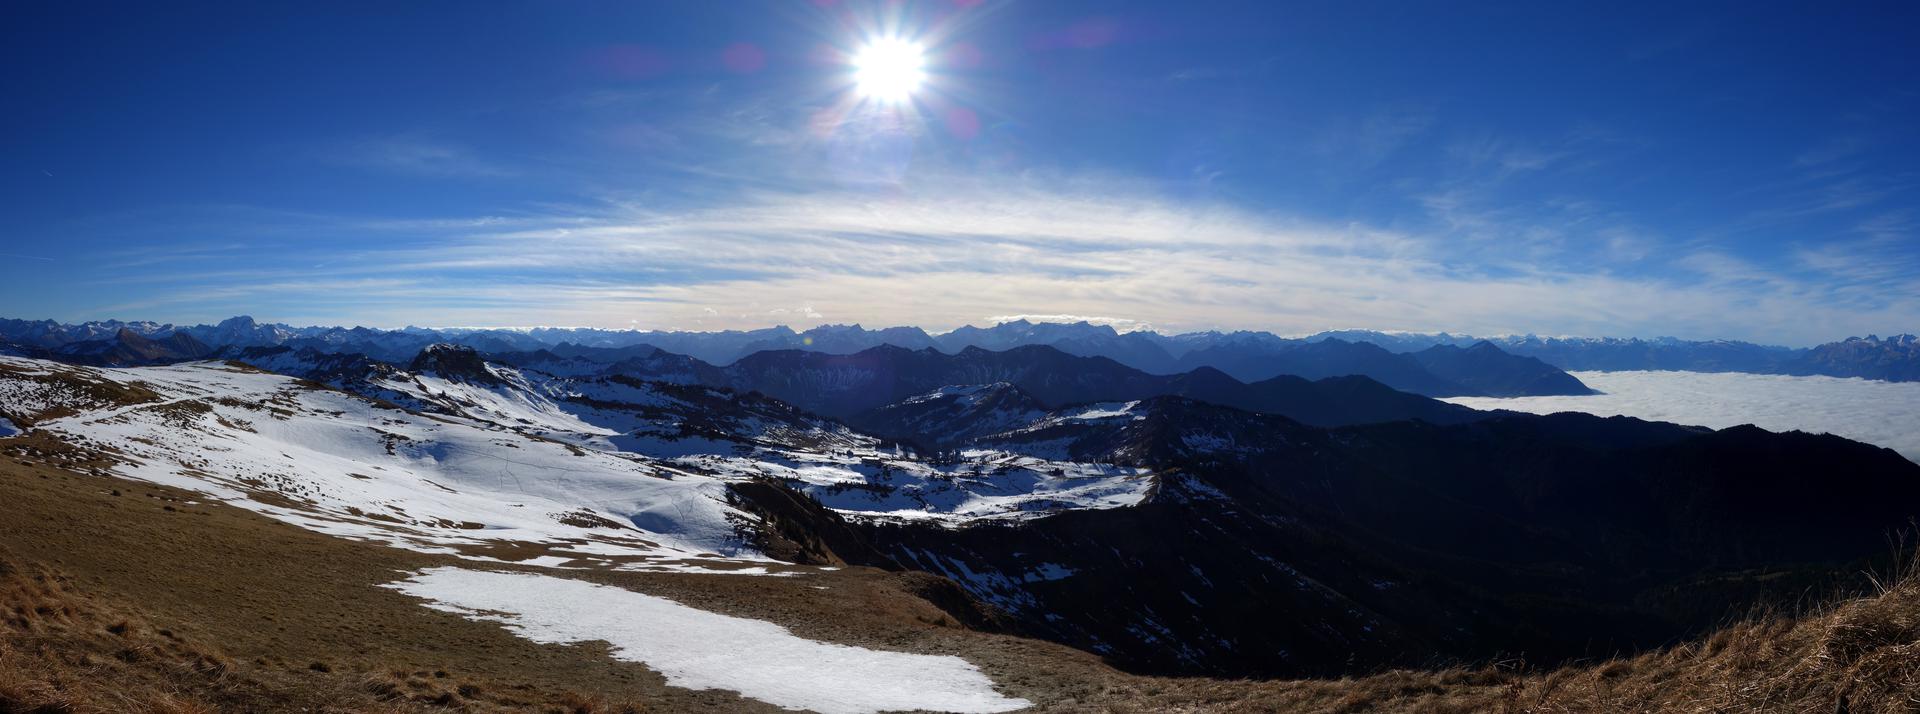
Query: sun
point(889, 69)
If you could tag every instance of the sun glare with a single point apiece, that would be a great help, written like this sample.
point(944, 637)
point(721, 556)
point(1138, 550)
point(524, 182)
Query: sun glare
point(889, 69)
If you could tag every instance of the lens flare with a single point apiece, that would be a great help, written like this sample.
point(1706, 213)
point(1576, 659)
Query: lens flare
point(889, 69)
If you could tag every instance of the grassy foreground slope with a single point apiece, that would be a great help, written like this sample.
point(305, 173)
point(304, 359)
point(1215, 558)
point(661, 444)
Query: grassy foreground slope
point(117, 596)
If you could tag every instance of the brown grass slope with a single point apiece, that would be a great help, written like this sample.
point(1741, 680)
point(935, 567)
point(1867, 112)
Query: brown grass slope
point(63, 650)
point(1856, 656)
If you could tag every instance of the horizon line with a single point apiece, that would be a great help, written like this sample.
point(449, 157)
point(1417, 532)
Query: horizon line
point(940, 333)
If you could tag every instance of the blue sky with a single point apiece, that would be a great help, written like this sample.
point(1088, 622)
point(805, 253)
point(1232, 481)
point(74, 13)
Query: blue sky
point(1738, 170)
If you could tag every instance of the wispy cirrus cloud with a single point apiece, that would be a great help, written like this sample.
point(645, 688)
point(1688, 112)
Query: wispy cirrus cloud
point(944, 255)
point(415, 155)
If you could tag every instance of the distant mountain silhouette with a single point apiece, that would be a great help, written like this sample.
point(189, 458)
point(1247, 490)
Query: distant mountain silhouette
point(1486, 369)
point(1247, 355)
point(1894, 359)
point(847, 385)
point(129, 348)
point(1324, 358)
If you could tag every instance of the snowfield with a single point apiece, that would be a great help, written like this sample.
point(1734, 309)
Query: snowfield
point(988, 485)
point(1879, 413)
point(847, 471)
point(697, 649)
point(1096, 412)
point(29, 388)
point(350, 467)
point(595, 471)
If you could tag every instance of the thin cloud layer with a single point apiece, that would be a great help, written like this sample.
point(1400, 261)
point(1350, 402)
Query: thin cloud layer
point(942, 257)
point(1879, 413)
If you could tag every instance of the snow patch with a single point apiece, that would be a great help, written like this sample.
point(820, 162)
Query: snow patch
point(696, 649)
point(984, 485)
point(1048, 571)
point(956, 390)
point(1104, 411)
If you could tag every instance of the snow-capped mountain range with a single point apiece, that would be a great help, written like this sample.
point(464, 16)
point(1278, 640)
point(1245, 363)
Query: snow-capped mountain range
point(1402, 360)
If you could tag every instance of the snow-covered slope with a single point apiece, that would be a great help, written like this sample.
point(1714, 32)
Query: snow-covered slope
point(487, 461)
point(732, 437)
point(349, 466)
point(953, 415)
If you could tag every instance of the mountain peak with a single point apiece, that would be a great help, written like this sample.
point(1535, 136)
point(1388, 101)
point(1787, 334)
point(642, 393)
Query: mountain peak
point(458, 363)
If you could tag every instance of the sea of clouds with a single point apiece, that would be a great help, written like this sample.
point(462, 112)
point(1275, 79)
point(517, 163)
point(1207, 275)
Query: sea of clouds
point(1881, 413)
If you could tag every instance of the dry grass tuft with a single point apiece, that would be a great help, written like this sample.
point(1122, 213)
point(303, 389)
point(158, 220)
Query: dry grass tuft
point(1855, 656)
point(1858, 655)
point(61, 650)
point(571, 703)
